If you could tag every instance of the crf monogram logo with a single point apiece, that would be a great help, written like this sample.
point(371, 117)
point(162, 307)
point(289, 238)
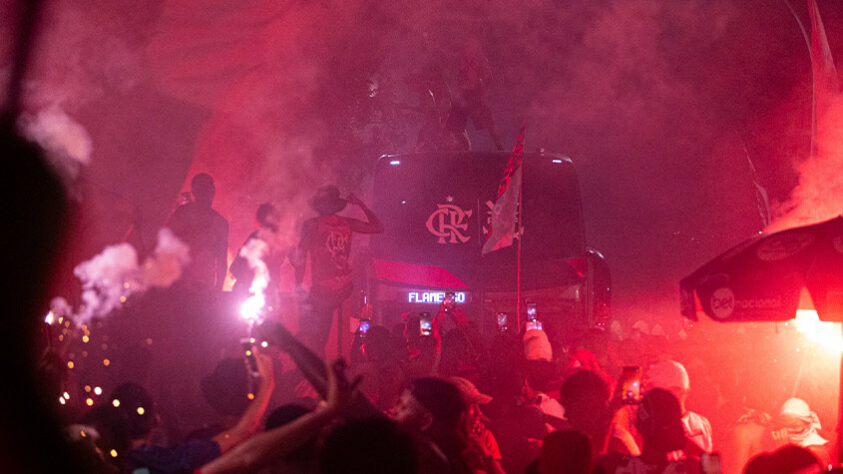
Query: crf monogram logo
point(449, 222)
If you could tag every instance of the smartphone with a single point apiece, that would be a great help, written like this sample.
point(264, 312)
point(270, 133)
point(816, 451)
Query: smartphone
point(531, 312)
point(631, 385)
point(503, 326)
point(711, 463)
point(251, 361)
point(425, 324)
point(364, 326)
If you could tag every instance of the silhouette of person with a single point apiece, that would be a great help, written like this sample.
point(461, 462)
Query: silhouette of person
point(205, 231)
point(327, 239)
point(268, 219)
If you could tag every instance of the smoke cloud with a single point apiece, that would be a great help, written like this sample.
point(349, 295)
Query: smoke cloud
point(819, 194)
point(66, 142)
point(112, 276)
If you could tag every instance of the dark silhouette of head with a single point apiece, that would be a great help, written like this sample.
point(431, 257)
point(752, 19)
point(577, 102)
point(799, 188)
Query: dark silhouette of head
point(137, 409)
point(373, 445)
point(585, 396)
point(434, 409)
point(567, 452)
point(226, 388)
point(203, 189)
point(302, 459)
point(327, 201)
point(659, 421)
point(787, 460)
point(268, 216)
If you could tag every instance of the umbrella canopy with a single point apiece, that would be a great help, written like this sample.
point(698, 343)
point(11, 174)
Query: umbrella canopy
point(762, 278)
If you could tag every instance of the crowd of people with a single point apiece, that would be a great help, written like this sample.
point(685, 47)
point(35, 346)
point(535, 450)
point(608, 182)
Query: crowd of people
point(411, 398)
point(450, 401)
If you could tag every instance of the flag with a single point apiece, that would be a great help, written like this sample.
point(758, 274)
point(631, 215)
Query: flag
point(502, 231)
point(825, 78)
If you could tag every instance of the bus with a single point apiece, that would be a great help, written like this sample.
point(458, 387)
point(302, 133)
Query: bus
point(437, 208)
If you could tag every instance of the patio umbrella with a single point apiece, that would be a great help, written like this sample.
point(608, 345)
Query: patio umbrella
point(762, 278)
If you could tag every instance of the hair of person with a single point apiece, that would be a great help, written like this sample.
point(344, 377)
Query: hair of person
point(285, 414)
point(441, 398)
point(263, 211)
point(373, 445)
point(202, 186)
point(659, 420)
point(136, 407)
point(584, 386)
point(566, 451)
point(226, 388)
point(541, 374)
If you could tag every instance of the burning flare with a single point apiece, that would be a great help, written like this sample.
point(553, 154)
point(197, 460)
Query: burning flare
point(254, 252)
point(823, 334)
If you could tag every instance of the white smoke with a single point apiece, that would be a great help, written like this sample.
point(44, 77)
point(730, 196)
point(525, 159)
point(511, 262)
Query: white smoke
point(819, 194)
point(254, 252)
point(111, 277)
point(65, 141)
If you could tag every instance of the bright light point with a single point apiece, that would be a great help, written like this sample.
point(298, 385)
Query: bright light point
point(61, 400)
point(250, 396)
point(87, 388)
point(248, 353)
point(252, 340)
point(61, 318)
point(557, 161)
point(122, 299)
point(67, 324)
point(83, 434)
point(61, 337)
point(98, 390)
point(395, 162)
point(89, 402)
point(826, 335)
point(264, 344)
point(49, 318)
point(115, 402)
point(251, 308)
point(113, 453)
point(106, 362)
point(66, 395)
point(85, 339)
point(141, 411)
point(126, 285)
point(403, 202)
point(70, 364)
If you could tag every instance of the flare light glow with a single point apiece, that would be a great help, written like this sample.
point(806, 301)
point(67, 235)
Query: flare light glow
point(824, 334)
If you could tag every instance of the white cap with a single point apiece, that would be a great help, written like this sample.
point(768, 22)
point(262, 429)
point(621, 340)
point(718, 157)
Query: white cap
point(537, 346)
point(668, 374)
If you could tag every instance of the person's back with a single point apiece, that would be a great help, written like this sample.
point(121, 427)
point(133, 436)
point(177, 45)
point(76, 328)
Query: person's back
point(659, 421)
point(205, 231)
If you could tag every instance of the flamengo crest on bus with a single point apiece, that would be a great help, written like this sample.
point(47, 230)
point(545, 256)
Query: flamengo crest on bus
point(449, 222)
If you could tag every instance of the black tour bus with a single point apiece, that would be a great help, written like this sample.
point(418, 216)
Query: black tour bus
point(436, 208)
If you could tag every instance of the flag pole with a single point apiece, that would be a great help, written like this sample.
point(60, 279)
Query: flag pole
point(518, 258)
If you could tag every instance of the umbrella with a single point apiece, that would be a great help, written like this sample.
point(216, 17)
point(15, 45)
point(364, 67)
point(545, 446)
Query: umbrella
point(761, 279)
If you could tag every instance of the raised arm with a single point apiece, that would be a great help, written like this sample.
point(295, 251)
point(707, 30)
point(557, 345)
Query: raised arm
point(373, 225)
point(261, 449)
point(251, 419)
